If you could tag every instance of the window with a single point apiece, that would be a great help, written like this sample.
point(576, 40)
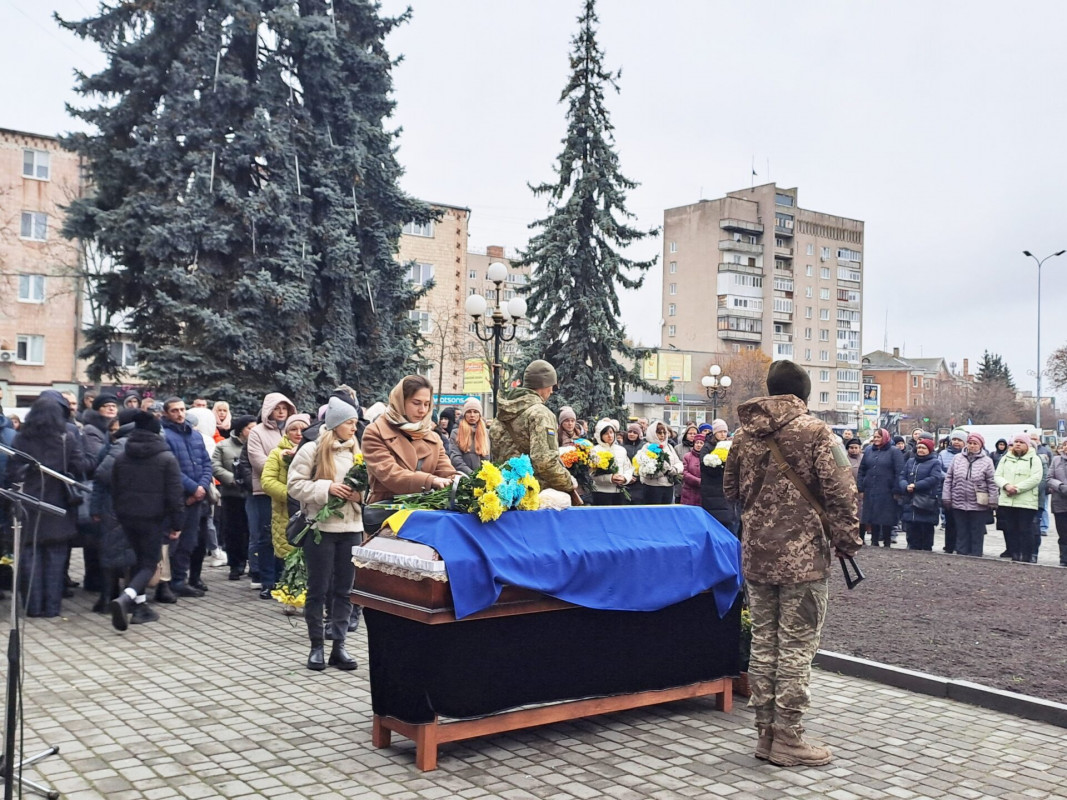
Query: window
point(824, 376)
point(808, 292)
point(472, 275)
point(848, 375)
point(34, 226)
point(783, 221)
point(31, 288)
point(35, 164)
point(123, 353)
point(807, 334)
point(783, 199)
point(751, 303)
point(824, 273)
point(807, 354)
point(422, 318)
point(746, 324)
point(779, 242)
point(674, 247)
point(421, 274)
point(846, 274)
point(824, 294)
point(825, 252)
point(811, 250)
point(848, 296)
point(824, 397)
point(824, 314)
point(672, 310)
point(419, 229)
point(672, 330)
point(674, 267)
point(915, 381)
point(673, 288)
point(783, 305)
point(848, 396)
point(824, 335)
point(741, 279)
point(807, 312)
point(471, 291)
point(809, 270)
point(824, 355)
point(783, 284)
point(29, 349)
point(844, 254)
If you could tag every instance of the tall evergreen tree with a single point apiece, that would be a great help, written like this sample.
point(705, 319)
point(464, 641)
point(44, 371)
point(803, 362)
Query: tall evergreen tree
point(992, 369)
point(577, 258)
point(246, 188)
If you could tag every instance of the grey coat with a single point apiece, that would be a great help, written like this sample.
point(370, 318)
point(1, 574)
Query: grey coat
point(1057, 484)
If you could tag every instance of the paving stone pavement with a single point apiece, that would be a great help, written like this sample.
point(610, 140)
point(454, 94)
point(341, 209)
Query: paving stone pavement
point(213, 701)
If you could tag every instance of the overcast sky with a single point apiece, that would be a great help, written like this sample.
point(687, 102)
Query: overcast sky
point(941, 125)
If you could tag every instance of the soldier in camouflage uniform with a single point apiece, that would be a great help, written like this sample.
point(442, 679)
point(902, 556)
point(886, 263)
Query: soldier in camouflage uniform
point(786, 554)
point(524, 424)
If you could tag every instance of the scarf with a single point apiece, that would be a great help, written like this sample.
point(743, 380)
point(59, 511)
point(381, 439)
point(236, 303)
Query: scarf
point(395, 415)
point(224, 422)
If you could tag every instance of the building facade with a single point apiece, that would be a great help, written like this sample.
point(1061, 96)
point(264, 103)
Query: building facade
point(754, 270)
point(39, 269)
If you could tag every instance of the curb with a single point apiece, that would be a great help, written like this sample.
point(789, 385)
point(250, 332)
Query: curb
point(1019, 705)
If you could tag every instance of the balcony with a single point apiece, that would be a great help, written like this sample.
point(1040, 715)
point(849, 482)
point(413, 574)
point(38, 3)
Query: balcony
point(783, 252)
point(741, 226)
point(782, 316)
point(784, 337)
point(745, 268)
point(741, 336)
point(780, 230)
point(741, 247)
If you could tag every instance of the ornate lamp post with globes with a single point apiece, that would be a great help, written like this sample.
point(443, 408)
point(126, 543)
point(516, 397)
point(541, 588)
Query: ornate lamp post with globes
point(715, 384)
point(858, 411)
point(501, 316)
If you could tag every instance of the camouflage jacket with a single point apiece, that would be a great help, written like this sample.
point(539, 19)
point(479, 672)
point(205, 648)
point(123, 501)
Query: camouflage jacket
point(783, 540)
point(524, 424)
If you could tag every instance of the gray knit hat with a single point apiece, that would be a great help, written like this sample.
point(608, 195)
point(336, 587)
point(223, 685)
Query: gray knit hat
point(539, 375)
point(338, 411)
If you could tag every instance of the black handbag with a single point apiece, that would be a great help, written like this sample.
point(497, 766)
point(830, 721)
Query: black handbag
point(297, 523)
point(924, 502)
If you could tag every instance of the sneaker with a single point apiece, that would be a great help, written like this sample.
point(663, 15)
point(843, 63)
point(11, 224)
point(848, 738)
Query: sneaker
point(255, 585)
point(789, 749)
point(266, 593)
point(219, 559)
point(143, 613)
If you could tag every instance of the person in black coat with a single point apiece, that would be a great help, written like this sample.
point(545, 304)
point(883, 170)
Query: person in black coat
point(48, 436)
point(149, 501)
point(880, 474)
point(115, 554)
point(712, 498)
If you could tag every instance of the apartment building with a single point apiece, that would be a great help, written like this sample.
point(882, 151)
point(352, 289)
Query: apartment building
point(754, 270)
point(39, 316)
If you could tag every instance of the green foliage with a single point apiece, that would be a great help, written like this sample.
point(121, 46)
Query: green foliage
point(577, 254)
point(992, 369)
point(246, 190)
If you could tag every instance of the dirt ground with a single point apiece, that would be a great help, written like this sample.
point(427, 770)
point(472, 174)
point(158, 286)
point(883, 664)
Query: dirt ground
point(984, 620)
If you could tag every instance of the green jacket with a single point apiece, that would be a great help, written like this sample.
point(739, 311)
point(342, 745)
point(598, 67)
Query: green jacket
point(1025, 473)
point(524, 424)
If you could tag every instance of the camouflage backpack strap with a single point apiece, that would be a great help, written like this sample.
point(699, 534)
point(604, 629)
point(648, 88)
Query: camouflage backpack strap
point(802, 487)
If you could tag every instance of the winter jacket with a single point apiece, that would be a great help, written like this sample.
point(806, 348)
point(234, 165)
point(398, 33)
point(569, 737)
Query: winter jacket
point(691, 478)
point(94, 434)
point(273, 480)
point(879, 479)
point(1057, 484)
point(468, 463)
point(1024, 472)
point(926, 474)
point(966, 476)
point(996, 455)
point(265, 436)
point(946, 456)
point(115, 551)
point(712, 498)
point(53, 451)
point(7, 438)
point(397, 464)
point(524, 424)
point(313, 493)
point(783, 540)
point(188, 447)
point(674, 464)
point(602, 482)
point(147, 484)
point(226, 452)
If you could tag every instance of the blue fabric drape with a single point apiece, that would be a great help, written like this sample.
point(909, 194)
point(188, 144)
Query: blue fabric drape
point(614, 558)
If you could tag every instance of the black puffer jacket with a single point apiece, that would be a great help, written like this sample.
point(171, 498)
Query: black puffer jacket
point(115, 551)
point(94, 434)
point(59, 452)
point(146, 482)
point(712, 498)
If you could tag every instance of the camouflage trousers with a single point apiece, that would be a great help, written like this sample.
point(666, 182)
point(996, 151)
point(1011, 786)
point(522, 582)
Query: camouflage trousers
point(786, 625)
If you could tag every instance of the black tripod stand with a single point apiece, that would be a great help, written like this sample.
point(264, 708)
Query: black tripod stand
point(12, 771)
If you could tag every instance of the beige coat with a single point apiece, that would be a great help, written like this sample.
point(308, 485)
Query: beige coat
point(314, 494)
point(392, 461)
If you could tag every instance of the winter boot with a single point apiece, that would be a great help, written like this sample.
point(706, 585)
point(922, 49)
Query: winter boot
point(763, 746)
point(164, 593)
point(789, 749)
point(317, 658)
point(143, 613)
point(340, 658)
point(121, 607)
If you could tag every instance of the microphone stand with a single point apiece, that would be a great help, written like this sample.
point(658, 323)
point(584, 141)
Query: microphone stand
point(14, 644)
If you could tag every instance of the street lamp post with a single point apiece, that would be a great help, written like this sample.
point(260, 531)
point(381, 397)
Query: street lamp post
point(493, 330)
point(1037, 423)
point(715, 384)
point(859, 410)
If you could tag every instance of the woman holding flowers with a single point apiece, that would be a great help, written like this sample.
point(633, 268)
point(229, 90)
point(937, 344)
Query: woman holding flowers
point(658, 466)
point(470, 441)
point(568, 427)
point(403, 452)
point(713, 457)
point(611, 468)
point(316, 475)
point(275, 478)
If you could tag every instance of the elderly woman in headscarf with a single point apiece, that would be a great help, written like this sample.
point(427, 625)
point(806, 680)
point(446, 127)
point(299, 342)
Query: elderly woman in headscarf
point(470, 440)
point(921, 490)
point(402, 450)
point(880, 474)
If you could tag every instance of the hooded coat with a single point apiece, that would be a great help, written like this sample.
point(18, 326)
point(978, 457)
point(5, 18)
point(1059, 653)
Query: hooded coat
point(524, 424)
point(602, 482)
point(147, 482)
point(222, 460)
point(265, 436)
point(784, 541)
point(881, 471)
point(674, 467)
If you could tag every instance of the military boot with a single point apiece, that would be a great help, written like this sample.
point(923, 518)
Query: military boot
point(763, 746)
point(789, 749)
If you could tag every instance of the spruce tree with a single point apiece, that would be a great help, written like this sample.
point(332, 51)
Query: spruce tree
point(246, 188)
point(992, 369)
point(576, 256)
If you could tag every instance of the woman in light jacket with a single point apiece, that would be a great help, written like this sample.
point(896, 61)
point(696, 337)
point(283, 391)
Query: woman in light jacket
point(275, 478)
point(404, 454)
point(606, 487)
point(1057, 487)
point(970, 494)
point(470, 440)
point(1018, 476)
point(659, 489)
point(316, 475)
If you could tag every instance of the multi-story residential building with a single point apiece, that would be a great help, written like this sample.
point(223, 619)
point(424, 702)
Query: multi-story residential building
point(39, 269)
point(754, 270)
